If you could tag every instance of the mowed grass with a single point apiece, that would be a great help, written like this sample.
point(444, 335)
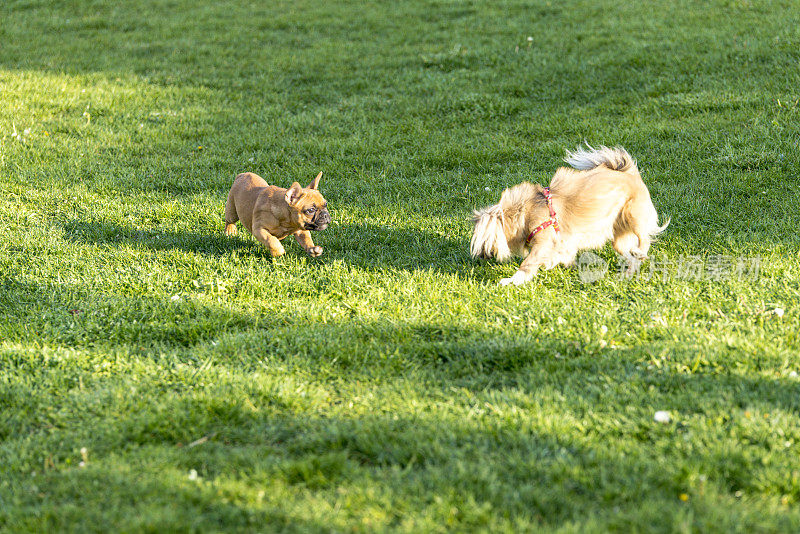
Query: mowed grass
point(156, 376)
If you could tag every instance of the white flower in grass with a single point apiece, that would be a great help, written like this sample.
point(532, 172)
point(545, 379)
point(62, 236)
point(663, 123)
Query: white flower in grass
point(175, 298)
point(530, 39)
point(658, 319)
point(487, 188)
point(603, 330)
point(192, 475)
point(778, 311)
point(662, 416)
point(793, 374)
point(26, 131)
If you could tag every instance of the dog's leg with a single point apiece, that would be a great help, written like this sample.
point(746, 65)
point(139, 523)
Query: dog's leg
point(269, 241)
point(566, 254)
point(624, 243)
point(304, 238)
point(542, 253)
point(230, 216)
point(642, 218)
point(644, 244)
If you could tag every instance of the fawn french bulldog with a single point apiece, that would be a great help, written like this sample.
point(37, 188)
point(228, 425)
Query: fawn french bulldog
point(271, 213)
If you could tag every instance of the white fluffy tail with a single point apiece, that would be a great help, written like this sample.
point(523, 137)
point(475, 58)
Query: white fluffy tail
point(658, 229)
point(586, 159)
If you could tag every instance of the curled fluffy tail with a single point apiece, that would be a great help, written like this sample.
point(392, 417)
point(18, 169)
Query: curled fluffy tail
point(658, 229)
point(585, 159)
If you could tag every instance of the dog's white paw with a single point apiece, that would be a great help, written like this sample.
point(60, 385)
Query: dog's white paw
point(517, 279)
point(315, 252)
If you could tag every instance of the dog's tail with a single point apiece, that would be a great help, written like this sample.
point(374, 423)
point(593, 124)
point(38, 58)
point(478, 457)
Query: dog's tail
point(586, 159)
point(658, 229)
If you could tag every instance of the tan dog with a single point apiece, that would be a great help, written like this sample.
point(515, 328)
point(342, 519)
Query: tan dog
point(271, 213)
point(603, 199)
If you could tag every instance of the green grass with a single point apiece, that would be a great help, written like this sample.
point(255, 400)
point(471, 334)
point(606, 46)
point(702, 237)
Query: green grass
point(391, 385)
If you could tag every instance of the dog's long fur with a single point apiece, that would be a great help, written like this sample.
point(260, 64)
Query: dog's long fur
point(601, 198)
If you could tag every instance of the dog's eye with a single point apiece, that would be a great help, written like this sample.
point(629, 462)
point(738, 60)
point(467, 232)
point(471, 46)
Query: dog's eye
point(311, 210)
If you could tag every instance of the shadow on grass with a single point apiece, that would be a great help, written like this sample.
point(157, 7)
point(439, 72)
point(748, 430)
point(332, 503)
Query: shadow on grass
point(477, 468)
point(363, 246)
point(104, 232)
point(534, 426)
point(376, 247)
point(77, 317)
point(478, 359)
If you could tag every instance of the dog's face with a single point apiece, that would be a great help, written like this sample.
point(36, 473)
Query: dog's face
point(500, 229)
point(307, 206)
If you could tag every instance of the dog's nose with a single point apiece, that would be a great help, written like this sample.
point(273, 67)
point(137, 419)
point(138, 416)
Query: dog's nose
point(324, 217)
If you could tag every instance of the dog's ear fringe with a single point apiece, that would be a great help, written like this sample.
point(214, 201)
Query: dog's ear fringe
point(489, 238)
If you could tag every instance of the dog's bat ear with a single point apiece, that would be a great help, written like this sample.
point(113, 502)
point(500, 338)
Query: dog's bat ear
point(315, 182)
point(294, 194)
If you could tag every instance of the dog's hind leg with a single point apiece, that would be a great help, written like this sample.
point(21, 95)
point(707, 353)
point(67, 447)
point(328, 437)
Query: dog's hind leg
point(641, 251)
point(230, 216)
point(641, 218)
point(625, 243)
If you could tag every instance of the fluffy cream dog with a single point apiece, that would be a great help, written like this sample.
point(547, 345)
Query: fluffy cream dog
point(601, 198)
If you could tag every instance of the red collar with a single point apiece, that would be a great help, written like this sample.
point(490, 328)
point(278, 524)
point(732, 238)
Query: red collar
point(551, 221)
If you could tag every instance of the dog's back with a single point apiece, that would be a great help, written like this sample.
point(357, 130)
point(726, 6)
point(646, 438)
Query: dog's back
point(603, 179)
point(604, 197)
point(241, 200)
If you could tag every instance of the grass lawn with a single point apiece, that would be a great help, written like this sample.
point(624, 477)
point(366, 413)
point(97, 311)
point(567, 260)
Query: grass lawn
point(156, 376)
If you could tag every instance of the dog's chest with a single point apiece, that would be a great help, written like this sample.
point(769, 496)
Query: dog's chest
point(275, 219)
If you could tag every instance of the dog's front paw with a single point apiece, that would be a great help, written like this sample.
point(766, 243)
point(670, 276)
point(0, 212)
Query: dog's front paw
point(277, 251)
point(517, 279)
point(315, 251)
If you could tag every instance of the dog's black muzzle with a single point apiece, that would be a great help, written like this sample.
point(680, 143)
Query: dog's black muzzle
point(320, 221)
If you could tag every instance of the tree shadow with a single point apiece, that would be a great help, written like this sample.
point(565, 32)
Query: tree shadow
point(158, 239)
point(376, 247)
point(363, 246)
point(535, 427)
point(75, 316)
point(477, 470)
